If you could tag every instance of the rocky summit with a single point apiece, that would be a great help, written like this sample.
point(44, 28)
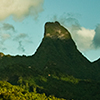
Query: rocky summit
point(55, 30)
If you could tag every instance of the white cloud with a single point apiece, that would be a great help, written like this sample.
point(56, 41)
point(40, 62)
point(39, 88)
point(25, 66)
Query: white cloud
point(86, 33)
point(20, 8)
point(83, 37)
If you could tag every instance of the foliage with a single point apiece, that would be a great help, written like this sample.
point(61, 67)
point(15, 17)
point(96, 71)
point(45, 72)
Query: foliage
point(57, 68)
point(11, 92)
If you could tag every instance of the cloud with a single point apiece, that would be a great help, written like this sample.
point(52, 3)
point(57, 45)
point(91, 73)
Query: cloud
point(6, 31)
point(83, 38)
point(96, 40)
point(86, 39)
point(20, 36)
point(19, 9)
point(67, 19)
point(5, 36)
point(22, 39)
point(9, 37)
point(21, 47)
point(7, 26)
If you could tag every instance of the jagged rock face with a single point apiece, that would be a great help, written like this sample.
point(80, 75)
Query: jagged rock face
point(55, 30)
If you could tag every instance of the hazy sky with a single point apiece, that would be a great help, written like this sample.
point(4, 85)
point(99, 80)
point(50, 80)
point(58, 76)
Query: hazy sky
point(22, 24)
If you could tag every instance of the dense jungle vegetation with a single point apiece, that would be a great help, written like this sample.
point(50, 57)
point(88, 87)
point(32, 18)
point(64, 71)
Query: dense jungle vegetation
point(57, 71)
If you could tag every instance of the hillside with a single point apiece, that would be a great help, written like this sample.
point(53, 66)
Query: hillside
point(57, 68)
point(58, 51)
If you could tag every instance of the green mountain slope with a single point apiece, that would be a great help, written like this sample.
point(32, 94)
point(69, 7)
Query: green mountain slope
point(57, 68)
point(60, 53)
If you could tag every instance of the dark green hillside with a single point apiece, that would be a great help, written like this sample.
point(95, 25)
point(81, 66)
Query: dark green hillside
point(60, 53)
point(57, 69)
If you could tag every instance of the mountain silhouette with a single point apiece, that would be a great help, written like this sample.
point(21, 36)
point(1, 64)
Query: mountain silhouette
point(56, 53)
point(57, 68)
point(59, 52)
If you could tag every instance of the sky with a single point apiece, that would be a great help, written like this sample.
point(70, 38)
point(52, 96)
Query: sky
point(22, 24)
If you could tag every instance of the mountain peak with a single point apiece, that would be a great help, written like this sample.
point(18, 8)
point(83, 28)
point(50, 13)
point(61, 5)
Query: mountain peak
point(55, 30)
